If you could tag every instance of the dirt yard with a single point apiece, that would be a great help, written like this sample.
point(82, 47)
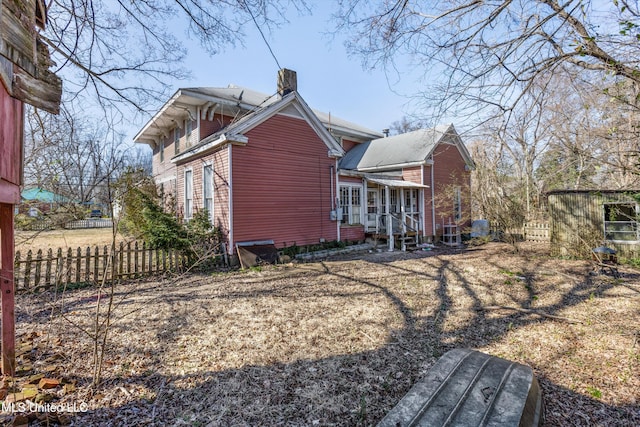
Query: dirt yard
point(339, 342)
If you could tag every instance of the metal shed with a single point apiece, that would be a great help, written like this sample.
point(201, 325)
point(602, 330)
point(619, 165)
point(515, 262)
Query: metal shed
point(581, 220)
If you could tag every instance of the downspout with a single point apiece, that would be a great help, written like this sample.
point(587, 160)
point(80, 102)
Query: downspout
point(230, 160)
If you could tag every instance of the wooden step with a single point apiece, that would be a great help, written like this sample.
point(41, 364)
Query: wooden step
point(469, 388)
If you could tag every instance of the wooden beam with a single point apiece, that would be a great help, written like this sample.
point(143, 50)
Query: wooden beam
point(7, 289)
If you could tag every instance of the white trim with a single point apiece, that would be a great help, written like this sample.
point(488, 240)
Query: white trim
point(361, 186)
point(212, 187)
point(230, 180)
point(186, 216)
point(210, 145)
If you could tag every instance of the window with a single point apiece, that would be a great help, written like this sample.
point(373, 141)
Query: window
point(457, 204)
point(162, 149)
point(176, 139)
point(351, 203)
point(207, 190)
point(188, 194)
point(411, 200)
point(621, 221)
point(188, 131)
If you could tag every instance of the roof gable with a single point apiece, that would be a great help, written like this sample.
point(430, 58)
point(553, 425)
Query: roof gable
point(290, 105)
point(407, 149)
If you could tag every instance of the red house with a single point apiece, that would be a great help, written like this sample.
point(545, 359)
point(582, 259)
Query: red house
point(24, 78)
point(269, 168)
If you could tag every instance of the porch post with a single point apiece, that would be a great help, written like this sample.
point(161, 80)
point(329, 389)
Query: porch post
point(389, 220)
point(403, 218)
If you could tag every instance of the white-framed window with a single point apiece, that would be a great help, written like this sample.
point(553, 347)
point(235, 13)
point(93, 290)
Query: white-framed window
point(188, 125)
point(351, 204)
point(621, 221)
point(207, 189)
point(457, 204)
point(188, 194)
point(411, 199)
point(176, 139)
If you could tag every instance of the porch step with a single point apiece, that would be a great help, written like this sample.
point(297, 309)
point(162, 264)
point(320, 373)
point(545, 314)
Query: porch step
point(410, 243)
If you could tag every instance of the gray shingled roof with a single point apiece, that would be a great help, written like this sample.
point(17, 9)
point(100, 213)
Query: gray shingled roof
point(401, 149)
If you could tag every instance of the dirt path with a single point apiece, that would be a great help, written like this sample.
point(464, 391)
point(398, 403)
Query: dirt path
point(339, 342)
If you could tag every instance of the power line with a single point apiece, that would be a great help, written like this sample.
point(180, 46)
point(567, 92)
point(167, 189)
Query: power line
point(262, 34)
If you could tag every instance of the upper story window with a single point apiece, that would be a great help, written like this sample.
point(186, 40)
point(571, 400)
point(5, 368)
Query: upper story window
point(188, 131)
point(176, 140)
point(162, 149)
point(621, 221)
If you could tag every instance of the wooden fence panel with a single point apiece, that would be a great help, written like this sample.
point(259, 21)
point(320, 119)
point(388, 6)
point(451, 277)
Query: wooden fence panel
point(91, 266)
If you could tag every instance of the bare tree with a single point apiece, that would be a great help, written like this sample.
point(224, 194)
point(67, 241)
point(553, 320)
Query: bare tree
point(129, 52)
point(481, 57)
point(75, 157)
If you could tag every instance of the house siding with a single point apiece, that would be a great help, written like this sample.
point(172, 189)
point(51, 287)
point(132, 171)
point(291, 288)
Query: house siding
point(449, 172)
point(281, 185)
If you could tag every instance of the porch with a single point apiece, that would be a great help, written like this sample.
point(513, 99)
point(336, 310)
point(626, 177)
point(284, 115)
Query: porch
point(394, 212)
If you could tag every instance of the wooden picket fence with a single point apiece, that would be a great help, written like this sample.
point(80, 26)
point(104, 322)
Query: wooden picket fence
point(537, 232)
point(92, 265)
point(530, 231)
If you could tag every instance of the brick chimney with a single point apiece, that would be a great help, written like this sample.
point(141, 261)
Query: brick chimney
point(287, 82)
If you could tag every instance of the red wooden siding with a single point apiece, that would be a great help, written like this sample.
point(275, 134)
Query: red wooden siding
point(209, 127)
point(348, 144)
point(281, 185)
point(449, 172)
point(11, 112)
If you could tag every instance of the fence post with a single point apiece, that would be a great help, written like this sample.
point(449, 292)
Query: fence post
point(69, 261)
point(78, 264)
point(47, 274)
point(87, 265)
point(144, 256)
point(59, 268)
point(121, 260)
point(135, 258)
point(27, 269)
point(38, 268)
point(16, 270)
point(96, 264)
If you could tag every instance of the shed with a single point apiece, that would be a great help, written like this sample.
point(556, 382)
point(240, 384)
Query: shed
point(581, 220)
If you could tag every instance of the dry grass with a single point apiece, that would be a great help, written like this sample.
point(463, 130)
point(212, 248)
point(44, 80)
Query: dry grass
point(341, 341)
point(64, 239)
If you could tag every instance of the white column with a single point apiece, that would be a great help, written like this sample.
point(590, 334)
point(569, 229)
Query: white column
point(389, 220)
